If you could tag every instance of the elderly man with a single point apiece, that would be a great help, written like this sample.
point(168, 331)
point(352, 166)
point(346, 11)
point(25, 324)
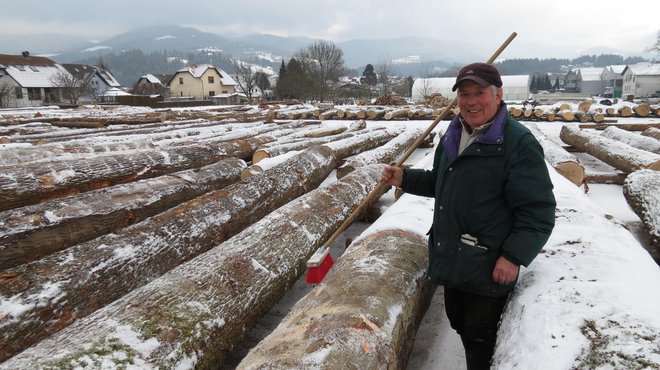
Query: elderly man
point(494, 208)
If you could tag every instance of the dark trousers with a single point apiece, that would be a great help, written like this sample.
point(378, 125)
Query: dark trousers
point(475, 318)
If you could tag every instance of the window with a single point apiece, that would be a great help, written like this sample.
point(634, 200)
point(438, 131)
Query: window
point(180, 80)
point(34, 93)
point(211, 93)
point(210, 79)
point(18, 91)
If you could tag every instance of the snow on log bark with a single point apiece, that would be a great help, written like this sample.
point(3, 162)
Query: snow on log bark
point(388, 153)
point(637, 141)
point(562, 161)
point(653, 132)
point(567, 309)
point(194, 315)
point(63, 287)
point(39, 181)
point(31, 232)
point(366, 140)
point(618, 155)
point(642, 191)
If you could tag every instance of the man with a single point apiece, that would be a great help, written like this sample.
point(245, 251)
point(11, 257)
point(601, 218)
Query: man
point(494, 208)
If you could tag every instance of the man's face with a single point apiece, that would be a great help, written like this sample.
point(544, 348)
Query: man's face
point(478, 104)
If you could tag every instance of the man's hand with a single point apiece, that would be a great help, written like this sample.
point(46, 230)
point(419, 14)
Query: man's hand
point(505, 271)
point(392, 176)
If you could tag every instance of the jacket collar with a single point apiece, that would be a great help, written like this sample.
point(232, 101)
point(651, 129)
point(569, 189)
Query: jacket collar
point(493, 135)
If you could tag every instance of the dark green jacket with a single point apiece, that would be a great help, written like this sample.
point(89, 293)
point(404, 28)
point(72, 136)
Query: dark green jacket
point(495, 199)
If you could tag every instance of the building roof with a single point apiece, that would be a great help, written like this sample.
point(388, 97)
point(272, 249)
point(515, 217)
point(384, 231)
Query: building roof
point(644, 69)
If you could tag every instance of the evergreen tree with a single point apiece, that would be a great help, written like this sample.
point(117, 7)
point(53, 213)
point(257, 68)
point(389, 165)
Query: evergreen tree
point(369, 77)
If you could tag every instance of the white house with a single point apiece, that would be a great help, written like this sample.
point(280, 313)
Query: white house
point(589, 80)
point(641, 80)
point(515, 88)
point(29, 81)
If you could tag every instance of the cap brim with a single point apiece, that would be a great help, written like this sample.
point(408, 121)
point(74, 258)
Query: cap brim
point(477, 79)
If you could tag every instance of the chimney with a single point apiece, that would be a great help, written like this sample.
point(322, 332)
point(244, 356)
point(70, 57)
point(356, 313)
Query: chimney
point(26, 53)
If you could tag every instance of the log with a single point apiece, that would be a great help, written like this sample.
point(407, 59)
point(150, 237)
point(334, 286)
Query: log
point(193, 315)
point(642, 192)
point(653, 132)
point(92, 274)
point(31, 232)
point(388, 153)
point(37, 182)
point(637, 141)
point(357, 144)
point(369, 323)
point(562, 161)
point(618, 155)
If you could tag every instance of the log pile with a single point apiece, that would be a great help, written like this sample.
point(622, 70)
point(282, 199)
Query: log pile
point(193, 315)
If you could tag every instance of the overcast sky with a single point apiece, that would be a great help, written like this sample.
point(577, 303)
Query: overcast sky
point(556, 28)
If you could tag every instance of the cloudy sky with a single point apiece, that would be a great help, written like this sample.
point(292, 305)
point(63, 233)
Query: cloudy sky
point(558, 28)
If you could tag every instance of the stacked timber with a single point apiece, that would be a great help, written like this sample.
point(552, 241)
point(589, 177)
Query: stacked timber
point(618, 155)
point(642, 192)
point(31, 232)
point(193, 315)
point(90, 275)
point(387, 154)
point(38, 181)
point(638, 141)
point(562, 161)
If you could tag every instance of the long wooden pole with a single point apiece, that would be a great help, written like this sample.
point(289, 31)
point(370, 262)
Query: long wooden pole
point(318, 257)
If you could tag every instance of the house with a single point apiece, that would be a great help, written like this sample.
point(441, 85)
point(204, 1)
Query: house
point(92, 82)
point(589, 81)
point(152, 84)
point(27, 80)
point(641, 80)
point(202, 82)
point(613, 80)
point(515, 87)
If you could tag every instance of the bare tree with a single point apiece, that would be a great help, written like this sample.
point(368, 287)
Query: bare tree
point(323, 61)
point(384, 71)
point(6, 93)
point(247, 78)
point(72, 86)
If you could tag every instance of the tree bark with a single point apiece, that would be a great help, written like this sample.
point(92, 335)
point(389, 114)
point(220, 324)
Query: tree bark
point(642, 192)
point(37, 182)
point(562, 161)
point(193, 315)
point(29, 233)
point(638, 141)
point(387, 154)
point(618, 155)
point(653, 132)
point(92, 274)
point(369, 323)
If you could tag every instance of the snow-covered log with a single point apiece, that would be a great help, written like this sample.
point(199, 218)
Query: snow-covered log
point(31, 232)
point(638, 141)
point(36, 182)
point(366, 140)
point(63, 287)
point(563, 162)
point(642, 192)
point(617, 154)
point(589, 300)
point(387, 154)
point(367, 310)
point(192, 316)
point(653, 132)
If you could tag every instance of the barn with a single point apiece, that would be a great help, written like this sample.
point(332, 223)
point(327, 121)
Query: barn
point(515, 87)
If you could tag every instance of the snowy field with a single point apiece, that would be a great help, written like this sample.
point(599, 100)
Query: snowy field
point(590, 300)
